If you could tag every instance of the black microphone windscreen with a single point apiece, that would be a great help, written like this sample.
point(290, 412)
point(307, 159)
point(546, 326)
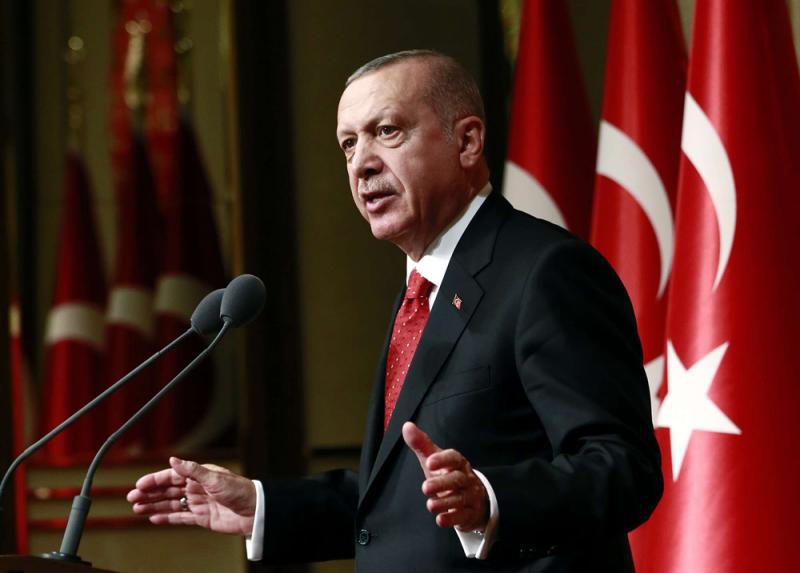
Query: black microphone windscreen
point(206, 318)
point(243, 299)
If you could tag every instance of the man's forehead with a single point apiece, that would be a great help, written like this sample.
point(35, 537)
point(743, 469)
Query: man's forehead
point(380, 90)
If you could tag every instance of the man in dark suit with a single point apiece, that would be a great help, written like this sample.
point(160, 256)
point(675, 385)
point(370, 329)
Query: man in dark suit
point(513, 346)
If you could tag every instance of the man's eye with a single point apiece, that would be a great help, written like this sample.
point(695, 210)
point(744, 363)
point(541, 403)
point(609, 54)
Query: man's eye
point(387, 130)
point(348, 144)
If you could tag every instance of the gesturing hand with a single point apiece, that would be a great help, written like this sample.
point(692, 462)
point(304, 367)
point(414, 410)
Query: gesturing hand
point(456, 495)
point(217, 498)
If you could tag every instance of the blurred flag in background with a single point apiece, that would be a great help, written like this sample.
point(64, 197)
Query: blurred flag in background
point(551, 147)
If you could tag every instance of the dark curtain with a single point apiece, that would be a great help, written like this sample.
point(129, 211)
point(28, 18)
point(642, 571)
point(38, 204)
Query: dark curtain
point(495, 86)
point(274, 439)
point(16, 182)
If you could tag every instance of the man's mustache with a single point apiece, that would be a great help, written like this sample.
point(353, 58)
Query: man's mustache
point(375, 186)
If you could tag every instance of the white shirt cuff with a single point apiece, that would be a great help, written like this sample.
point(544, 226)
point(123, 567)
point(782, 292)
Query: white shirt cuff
point(254, 543)
point(476, 544)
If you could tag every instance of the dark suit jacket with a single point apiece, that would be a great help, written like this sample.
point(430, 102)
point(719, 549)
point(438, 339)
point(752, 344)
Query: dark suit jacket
point(537, 379)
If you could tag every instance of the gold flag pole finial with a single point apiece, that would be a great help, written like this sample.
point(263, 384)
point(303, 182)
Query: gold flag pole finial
point(183, 48)
point(135, 78)
point(74, 55)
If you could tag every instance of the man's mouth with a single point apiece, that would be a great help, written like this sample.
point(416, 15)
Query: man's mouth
point(377, 199)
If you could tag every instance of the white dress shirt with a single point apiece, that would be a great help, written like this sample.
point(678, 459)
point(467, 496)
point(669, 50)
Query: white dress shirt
point(433, 266)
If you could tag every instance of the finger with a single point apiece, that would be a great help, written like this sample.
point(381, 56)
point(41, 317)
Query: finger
point(139, 496)
point(177, 518)
point(216, 468)
point(163, 506)
point(419, 442)
point(161, 479)
point(439, 484)
point(457, 518)
point(446, 459)
point(454, 501)
point(189, 469)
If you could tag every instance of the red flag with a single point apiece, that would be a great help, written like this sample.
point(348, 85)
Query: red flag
point(728, 423)
point(130, 321)
point(143, 43)
point(22, 420)
point(551, 148)
point(637, 162)
point(73, 370)
point(191, 267)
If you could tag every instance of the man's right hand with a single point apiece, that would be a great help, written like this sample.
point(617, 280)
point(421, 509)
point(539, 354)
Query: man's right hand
point(216, 498)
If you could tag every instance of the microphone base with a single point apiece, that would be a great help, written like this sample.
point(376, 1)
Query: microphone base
point(58, 556)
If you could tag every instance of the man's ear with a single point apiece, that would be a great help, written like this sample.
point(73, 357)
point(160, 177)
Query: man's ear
point(470, 133)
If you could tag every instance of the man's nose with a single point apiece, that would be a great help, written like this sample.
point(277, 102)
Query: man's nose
point(366, 162)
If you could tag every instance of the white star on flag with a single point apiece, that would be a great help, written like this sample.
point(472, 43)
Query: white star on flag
point(687, 407)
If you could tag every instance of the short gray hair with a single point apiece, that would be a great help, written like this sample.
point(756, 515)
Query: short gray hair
point(451, 92)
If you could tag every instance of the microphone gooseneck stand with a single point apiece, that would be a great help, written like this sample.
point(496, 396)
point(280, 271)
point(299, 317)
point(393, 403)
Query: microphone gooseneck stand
point(30, 450)
point(205, 320)
point(82, 502)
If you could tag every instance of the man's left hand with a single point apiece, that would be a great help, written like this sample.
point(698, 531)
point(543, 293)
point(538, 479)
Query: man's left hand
point(456, 495)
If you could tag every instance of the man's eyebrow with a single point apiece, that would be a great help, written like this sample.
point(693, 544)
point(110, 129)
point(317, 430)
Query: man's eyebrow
point(342, 131)
point(377, 116)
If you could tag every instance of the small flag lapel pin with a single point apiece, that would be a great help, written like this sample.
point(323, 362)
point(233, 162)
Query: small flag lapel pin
point(457, 302)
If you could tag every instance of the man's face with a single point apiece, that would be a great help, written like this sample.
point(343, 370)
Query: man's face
point(404, 169)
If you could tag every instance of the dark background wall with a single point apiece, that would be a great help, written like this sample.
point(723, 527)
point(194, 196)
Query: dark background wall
point(267, 76)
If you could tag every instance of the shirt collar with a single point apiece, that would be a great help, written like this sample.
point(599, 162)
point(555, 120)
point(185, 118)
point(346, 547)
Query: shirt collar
point(433, 263)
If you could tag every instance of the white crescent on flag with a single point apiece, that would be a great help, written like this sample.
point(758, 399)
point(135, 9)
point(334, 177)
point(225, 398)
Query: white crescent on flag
point(527, 194)
point(620, 159)
point(704, 149)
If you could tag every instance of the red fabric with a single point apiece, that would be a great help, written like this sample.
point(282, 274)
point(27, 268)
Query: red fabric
point(139, 185)
point(730, 506)
point(645, 83)
point(408, 326)
point(551, 133)
point(161, 113)
point(73, 368)
point(191, 249)
point(138, 237)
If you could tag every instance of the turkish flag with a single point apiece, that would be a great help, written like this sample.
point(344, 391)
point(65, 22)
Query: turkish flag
point(143, 44)
point(191, 267)
point(75, 326)
point(551, 148)
point(637, 162)
point(130, 321)
point(728, 423)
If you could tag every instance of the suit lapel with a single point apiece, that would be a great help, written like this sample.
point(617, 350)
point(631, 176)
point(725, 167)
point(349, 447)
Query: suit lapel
point(458, 297)
point(374, 428)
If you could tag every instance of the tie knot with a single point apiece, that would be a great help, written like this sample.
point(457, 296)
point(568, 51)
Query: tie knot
point(418, 286)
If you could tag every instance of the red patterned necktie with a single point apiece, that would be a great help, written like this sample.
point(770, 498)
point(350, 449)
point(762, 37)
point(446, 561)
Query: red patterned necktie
point(408, 326)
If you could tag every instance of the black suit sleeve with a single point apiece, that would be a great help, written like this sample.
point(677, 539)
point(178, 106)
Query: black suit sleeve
point(310, 519)
point(580, 363)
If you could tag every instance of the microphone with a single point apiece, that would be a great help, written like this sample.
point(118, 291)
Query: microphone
point(243, 299)
point(240, 303)
point(205, 320)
